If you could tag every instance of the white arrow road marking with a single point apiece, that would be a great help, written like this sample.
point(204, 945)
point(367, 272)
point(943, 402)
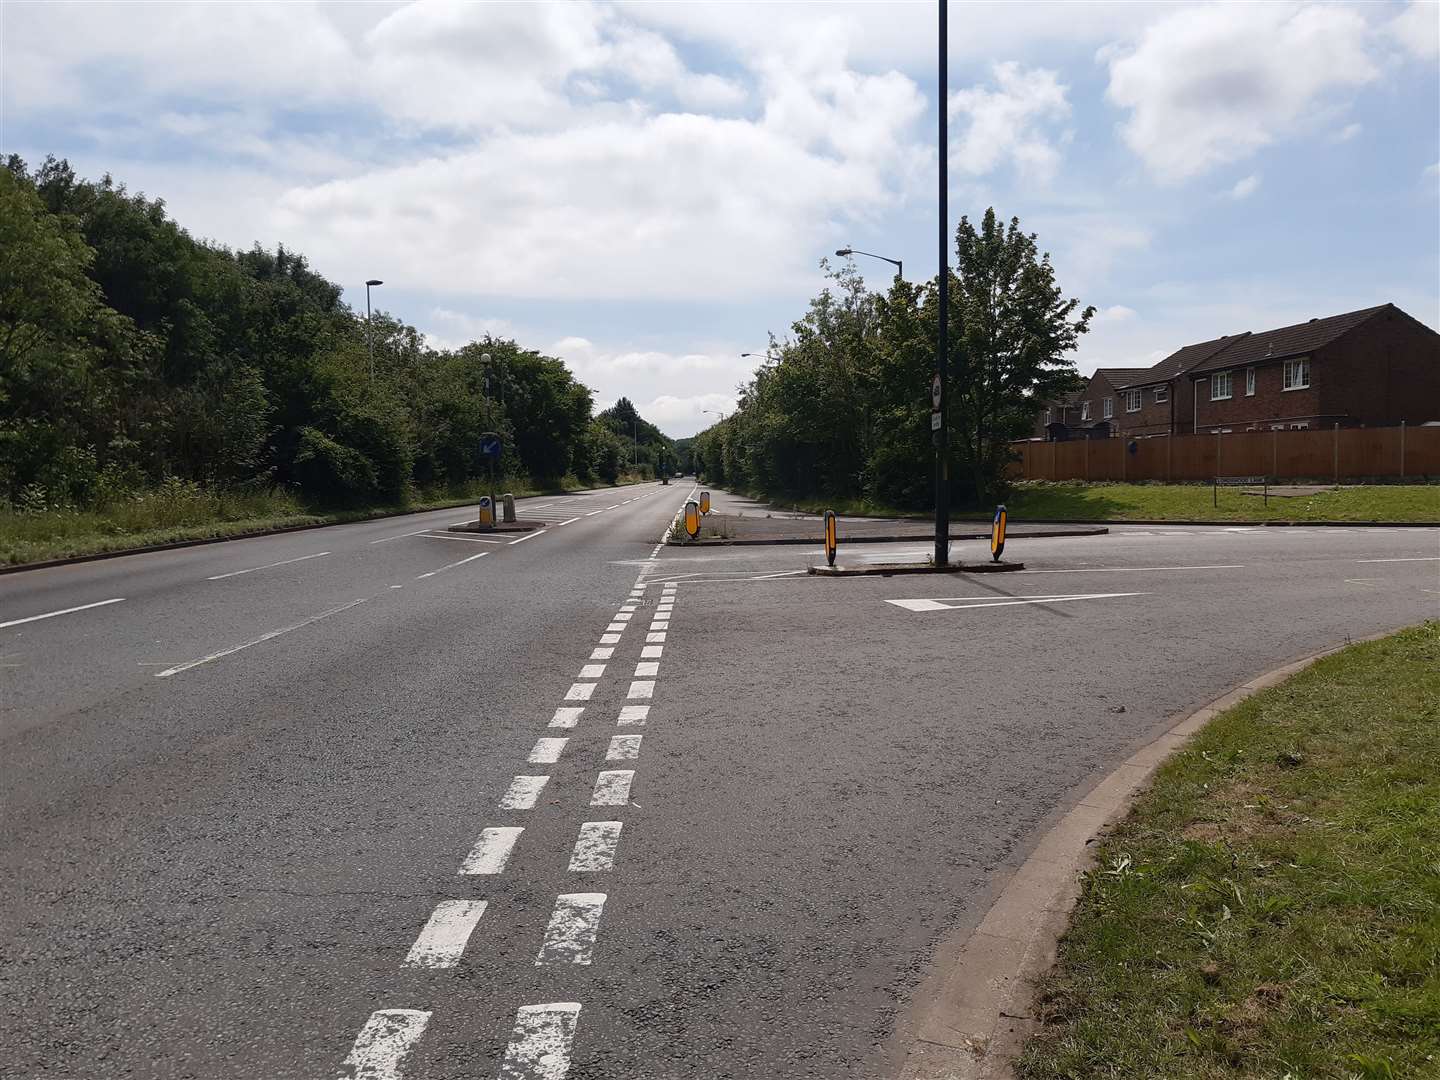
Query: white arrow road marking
point(492, 851)
point(256, 641)
point(570, 937)
point(385, 1042)
point(595, 847)
point(442, 942)
point(952, 603)
point(267, 566)
point(540, 1044)
point(62, 611)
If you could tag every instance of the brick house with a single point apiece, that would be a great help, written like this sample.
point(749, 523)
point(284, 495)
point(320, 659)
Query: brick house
point(1089, 413)
point(1369, 368)
point(1151, 403)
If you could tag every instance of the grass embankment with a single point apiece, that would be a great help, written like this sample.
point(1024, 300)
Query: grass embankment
point(1271, 907)
point(1040, 500)
point(181, 512)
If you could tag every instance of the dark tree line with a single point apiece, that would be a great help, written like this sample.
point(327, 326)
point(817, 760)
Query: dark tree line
point(131, 352)
point(841, 409)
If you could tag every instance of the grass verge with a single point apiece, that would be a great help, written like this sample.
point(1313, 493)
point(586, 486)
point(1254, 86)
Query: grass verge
point(1269, 907)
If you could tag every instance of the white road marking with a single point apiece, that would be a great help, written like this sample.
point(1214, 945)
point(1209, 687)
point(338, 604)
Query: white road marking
point(523, 792)
point(256, 641)
point(1129, 569)
point(642, 688)
point(384, 1044)
point(591, 671)
point(623, 748)
point(452, 536)
point(62, 611)
point(660, 624)
point(1423, 558)
point(566, 716)
point(595, 847)
point(614, 506)
point(442, 942)
point(623, 616)
point(633, 714)
point(570, 937)
point(528, 536)
point(492, 851)
point(653, 652)
point(604, 653)
point(615, 628)
point(546, 751)
point(949, 604)
point(628, 607)
point(451, 566)
point(592, 513)
point(402, 536)
point(612, 787)
point(580, 691)
point(647, 667)
point(540, 1044)
point(267, 566)
point(657, 635)
point(609, 639)
point(567, 521)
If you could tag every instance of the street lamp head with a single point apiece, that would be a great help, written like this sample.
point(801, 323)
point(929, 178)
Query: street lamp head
point(484, 357)
point(374, 281)
point(845, 253)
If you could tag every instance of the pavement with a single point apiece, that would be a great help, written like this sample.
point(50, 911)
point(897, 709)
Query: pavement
point(273, 808)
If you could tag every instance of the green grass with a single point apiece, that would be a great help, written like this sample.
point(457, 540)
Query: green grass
point(179, 512)
point(1271, 907)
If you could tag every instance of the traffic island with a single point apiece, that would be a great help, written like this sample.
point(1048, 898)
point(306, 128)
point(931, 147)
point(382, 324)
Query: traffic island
point(741, 530)
point(889, 569)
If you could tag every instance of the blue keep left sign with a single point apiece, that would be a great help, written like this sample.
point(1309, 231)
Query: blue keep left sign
point(490, 445)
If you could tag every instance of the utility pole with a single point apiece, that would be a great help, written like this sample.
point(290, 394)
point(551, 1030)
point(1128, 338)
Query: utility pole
point(942, 353)
point(369, 339)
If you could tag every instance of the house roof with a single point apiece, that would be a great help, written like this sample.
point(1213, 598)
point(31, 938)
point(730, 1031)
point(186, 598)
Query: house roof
point(1286, 341)
point(1180, 361)
point(1119, 376)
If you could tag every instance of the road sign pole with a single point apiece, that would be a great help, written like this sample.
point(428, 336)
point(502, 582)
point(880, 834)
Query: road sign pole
point(942, 345)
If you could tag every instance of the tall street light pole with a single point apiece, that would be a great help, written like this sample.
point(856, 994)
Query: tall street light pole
point(942, 345)
point(846, 252)
point(369, 337)
point(635, 438)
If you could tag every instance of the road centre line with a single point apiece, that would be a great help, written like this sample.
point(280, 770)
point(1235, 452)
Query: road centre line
point(492, 850)
point(255, 641)
point(62, 611)
point(451, 566)
point(267, 566)
point(443, 939)
point(528, 536)
point(1130, 569)
point(539, 1047)
point(385, 1042)
point(1422, 558)
point(570, 937)
point(523, 792)
point(595, 847)
point(568, 521)
point(612, 787)
point(467, 539)
point(944, 603)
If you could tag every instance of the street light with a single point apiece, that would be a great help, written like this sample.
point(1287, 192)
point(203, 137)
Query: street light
point(846, 252)
point(369, 338)
point(717, 412)
point(635, 438)
point(766, 355)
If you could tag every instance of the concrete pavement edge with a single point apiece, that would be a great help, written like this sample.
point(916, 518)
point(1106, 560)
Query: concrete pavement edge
point(980, 1008)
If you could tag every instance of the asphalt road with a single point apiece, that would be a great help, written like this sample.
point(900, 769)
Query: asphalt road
point(301, 858)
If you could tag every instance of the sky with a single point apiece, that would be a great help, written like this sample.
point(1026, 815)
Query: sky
point(646, 190)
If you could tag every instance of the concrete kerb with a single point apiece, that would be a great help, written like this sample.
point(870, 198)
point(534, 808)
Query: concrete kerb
point(894, 538)
point(889, 569)
point(980, 1008)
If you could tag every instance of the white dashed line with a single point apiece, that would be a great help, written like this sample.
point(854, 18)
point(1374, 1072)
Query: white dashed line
point(528, 536)
point(442, 942)
point(623, 748)
point(660, 624)
point(604, 653)
point(623, 616)
point(385, 1042)
point(657, 635)
point(492, 851)
point(402, 536)
point(612, 787)
point(451, 566)
point(1423, 558)
point(540, 1044)
point(62, 611)
point(609, 639)
point(566, 716)
point(595, 847)
point(653, 652)
point(633, 714)
point(647, 667)
point(570, 937)
point(591, 671)
point(523, 792)
point(547, 751)
point(467, 539)
point(245, 645)
point(267, 566)
point(567, 521)
point(641, 688)
point(580, 691)
point(614, 628)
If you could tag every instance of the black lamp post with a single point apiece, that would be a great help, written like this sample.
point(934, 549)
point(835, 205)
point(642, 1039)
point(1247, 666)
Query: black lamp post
point(846, 252)
point(369, 338)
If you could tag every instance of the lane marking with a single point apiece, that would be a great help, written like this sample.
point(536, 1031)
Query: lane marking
point(492, 850)
point(615, 628)
point(62, 611)
point(612, 787)
point(384, 1043)
point(267, 566)
point(443, 939)
point(623, 748)
point(467, 539)
point(546, 751)
point(1423, 558)
point(528, 536)
point(591, 671)
point(402, 536)
point(652, 652)
point(566, 522)
point(628, 607)
point(633, 714)
point(592, 513)
point(603, 653)
point(523, 792)
point(566, 716)
point(1130, 569)
point(451, 566)
point(622, 616)
point(641, 688)
point(660, 624)
point(595, 847)
point(570, 937)
point(948, 604)
point(609, 639)
point(256, 641)
point(580, 691)
point(655, 635)
point(613, 506)
point(539, 1046)
point(647, 667)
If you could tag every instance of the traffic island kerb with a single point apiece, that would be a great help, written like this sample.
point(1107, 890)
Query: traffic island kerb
point(498, 527)
point(889, 569)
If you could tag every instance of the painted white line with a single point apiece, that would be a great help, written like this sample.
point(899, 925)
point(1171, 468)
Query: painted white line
point(623, 616)
point(256, 641)
point(633, 714)
point(451, 566)
point(652, 652)
point(570, 937)
point(615, 628)
point(523, 792)
point(628, 607)
point(1423, 558)
point(402, 536)
point(641, 689)
point(612, 787)
point(442, 942)
point(385, 1042)
point(647, 667)
point(540, 1044)
point(492, 851)
point(657, 635)
point(546, 751)
point(467, 539)
point(592, 513)
point(267, 566)
point(591, 671)
point(623, 748)
point(660, 624)
point(1130, 569)
point(567, 521)
point(609, 639)
point(528, 536)
point(602, 653)
point(566, 716)
point(949, 603)
point(62, 611)
point(595, 847)
point(580, 691)
point(614, 506)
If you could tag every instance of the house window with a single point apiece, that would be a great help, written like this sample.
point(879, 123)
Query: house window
point(1047, 416)
point(1084, 410)
point(1162, 394)
point(1220, 386)
point(1109, 407)
point(1249, 382)
point(1297, 374)
point(1300, 427)
point(1132, 400)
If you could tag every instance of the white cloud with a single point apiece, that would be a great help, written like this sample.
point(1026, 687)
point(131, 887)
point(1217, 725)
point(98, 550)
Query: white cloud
point(1116, 313)
point(1348, 132)
point(1245, 187)
point(1009, 122)
point(457, 329)
point(1417, 29)
point(1432, 170)
point(1211, 85)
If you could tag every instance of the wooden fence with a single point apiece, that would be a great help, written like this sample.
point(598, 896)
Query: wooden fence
point(1335, 455)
